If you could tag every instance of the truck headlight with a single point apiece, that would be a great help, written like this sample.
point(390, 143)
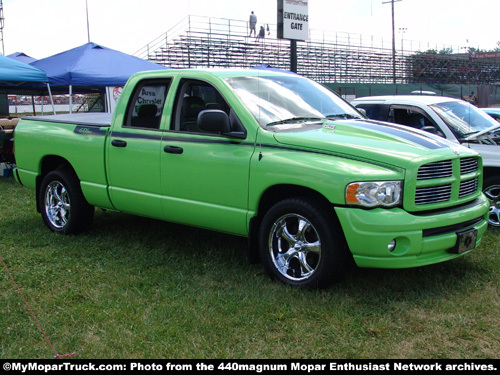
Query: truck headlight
point(375, 193)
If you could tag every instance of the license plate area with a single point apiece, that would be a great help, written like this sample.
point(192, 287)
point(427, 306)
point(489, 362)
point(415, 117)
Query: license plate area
point(466, 241)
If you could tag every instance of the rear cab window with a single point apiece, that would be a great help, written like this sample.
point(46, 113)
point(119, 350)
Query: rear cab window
point(146, 104)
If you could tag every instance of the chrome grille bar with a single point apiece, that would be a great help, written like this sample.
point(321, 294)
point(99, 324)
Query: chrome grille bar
point(467, 188)
point(433, 194)
point(437, 169)
point(468, 165)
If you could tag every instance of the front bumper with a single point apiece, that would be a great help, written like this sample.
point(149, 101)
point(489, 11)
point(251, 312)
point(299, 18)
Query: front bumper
point(421, 239)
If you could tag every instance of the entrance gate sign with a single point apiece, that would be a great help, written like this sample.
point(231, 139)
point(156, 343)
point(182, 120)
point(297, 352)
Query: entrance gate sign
point(293, 19)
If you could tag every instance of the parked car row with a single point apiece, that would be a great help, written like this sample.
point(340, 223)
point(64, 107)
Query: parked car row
point(452, 119)
point(493, 112)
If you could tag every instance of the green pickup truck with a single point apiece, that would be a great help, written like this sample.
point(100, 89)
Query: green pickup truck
point(271, 156)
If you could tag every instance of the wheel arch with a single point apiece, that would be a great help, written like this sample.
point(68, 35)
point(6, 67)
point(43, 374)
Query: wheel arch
point(48, 164)
point(270, 197)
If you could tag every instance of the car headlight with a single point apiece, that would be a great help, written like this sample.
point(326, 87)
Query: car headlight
point(375, 193)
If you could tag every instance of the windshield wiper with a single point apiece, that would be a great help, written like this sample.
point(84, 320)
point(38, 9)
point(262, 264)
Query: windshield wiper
point(346, 116)
point(465, 135)
point(295, 120)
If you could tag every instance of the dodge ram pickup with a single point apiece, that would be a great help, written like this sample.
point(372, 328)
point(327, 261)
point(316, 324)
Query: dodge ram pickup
point(453, 119)
point(271, 156)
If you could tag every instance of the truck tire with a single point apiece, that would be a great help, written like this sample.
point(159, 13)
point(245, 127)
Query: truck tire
point(63, 207)
point(491, 188)
point(300, 244)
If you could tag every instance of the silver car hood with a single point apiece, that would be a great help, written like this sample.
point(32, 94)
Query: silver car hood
point(482, 132)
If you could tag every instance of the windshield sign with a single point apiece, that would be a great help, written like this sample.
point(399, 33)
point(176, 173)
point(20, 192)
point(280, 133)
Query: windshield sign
point(285, 102)
point(463, 118)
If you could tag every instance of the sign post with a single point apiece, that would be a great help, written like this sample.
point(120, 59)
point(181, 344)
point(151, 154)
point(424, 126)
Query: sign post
point(293, 24)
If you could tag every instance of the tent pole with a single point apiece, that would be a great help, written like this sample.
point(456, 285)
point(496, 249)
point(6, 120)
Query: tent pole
point(51, 98)
point(70, 99)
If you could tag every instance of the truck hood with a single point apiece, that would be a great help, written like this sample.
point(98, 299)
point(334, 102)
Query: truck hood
point(371, 140)
point(475, 136)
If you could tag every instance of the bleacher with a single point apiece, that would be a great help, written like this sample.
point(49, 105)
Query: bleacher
point(200, 42)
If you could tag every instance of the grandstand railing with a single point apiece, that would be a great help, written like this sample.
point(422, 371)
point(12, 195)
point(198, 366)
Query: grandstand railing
point(199, 42)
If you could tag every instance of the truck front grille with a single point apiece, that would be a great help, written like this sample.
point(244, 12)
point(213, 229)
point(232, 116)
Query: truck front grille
point(447, 180)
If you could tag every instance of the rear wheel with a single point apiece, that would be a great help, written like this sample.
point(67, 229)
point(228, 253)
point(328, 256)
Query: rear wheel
point(301, 244)
point(491, 188)
point(62, 204)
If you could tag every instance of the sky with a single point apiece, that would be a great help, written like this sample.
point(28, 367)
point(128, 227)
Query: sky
point(42, 28)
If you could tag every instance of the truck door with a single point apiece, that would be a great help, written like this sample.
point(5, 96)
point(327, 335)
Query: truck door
point(133, 151)
point(204, 175)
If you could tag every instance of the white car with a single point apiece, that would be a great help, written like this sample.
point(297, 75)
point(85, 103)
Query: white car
point(453, 119)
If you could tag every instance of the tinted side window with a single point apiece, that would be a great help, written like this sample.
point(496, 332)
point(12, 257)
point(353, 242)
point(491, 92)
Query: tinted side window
point(375, 111)
point(146, 104)
point(195, 96)
point(415, 118)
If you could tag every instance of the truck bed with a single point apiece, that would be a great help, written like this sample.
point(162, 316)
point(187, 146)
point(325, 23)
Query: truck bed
point(77, 139)
point(88, 119)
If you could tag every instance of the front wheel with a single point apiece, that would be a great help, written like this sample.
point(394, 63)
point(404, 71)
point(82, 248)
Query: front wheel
point(491, 188)
point(63, 207)
point(301, 244)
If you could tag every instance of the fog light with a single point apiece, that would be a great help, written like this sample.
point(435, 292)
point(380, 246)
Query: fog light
point(391, 246)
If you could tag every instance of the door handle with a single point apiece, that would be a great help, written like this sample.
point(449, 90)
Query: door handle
point(173, 150)
point(118, 143)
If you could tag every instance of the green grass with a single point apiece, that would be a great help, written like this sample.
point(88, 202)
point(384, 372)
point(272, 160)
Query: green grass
point(138, 288)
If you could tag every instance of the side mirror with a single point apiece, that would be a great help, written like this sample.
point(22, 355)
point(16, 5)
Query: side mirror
point(217, 121)
point(214, 121)
point(362, 111)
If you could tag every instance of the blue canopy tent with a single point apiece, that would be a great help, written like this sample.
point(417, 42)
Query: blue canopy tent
point(91, 66)
point(15, 72)
point(17, 77)
point(269, 67)
point(22, 57)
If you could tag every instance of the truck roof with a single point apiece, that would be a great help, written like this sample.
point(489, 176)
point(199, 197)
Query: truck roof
point(220, 72)
point(405, 99)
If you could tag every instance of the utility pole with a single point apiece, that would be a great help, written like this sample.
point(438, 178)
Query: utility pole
point(1, 26)
point(88, 28)
point(393, 41)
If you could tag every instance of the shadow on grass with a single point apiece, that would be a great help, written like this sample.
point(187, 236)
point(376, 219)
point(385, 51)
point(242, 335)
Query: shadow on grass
point(125, 242)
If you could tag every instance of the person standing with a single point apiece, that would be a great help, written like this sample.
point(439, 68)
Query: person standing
point(253, 23)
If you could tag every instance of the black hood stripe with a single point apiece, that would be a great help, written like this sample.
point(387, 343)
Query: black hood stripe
point(406, 133)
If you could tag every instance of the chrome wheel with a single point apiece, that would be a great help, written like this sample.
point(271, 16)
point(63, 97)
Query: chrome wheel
point(493, 195)
point(300, 243)
point(295, 247)
point(57, 204)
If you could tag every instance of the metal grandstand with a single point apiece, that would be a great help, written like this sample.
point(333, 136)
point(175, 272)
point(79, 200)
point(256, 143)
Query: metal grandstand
point(199, 41)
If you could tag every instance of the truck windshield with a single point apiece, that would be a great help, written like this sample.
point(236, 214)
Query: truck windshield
point(287, 101)
point(463, 118)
